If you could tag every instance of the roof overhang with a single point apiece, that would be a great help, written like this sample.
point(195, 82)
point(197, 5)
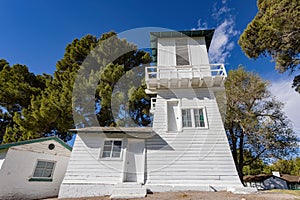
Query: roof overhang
point(207, 34)
point(6, 146)
point(132, 131)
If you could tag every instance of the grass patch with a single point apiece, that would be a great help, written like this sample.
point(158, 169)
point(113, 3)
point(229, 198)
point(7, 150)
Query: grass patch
point(293, 192)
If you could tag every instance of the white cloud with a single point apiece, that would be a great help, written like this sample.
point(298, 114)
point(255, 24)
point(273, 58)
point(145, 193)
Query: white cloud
point(202, 25)
point(222, 43)
point(287, 95)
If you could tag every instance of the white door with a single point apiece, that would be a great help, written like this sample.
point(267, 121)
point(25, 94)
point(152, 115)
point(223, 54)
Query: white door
point(173, 115)
point(135, 161)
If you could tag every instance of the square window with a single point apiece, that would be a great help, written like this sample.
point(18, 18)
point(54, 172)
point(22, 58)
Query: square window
point(43, 169)
point(112, 149)
point(198, 119)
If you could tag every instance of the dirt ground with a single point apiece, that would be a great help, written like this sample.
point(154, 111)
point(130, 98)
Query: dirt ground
point(192, 195)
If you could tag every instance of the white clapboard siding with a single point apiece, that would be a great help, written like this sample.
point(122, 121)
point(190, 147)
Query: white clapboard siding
point(19, 166)
point(42, 147)
point(198, 156)
point(86, 164)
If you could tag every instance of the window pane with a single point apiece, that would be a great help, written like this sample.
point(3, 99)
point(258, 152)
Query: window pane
point(118, 143)
point(47, 173)
point(112, 149)
point(186, 118)
point(38, 173)
point(116, 149)
point(49, 165)
point(182, 57)
point(41, 164)
point(43, 169)
point(199, 118)
point(108, 142)
point(116, 154)
point(106, 154)
point(107, 148)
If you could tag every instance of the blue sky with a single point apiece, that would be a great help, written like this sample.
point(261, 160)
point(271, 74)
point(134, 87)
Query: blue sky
point(36, 32)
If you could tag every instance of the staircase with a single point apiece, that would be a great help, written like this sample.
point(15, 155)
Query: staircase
point(128, 190)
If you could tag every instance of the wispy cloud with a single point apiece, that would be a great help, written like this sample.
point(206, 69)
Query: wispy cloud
point(222, 43)
point(225, 33)
point(283, 91)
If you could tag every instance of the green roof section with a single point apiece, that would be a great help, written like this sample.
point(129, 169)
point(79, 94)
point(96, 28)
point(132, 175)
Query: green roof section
point(207, 34)
point(6, 146)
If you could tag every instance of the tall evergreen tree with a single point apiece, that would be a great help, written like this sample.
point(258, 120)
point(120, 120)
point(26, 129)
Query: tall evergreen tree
point(18, 86)
point(51, 112)
point(275, 31)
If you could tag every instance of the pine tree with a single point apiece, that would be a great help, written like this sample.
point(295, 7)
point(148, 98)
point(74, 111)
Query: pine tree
point(104, 60)
point(275, 31)
point(18, 86)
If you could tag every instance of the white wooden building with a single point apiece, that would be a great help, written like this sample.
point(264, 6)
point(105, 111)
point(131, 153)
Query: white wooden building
point(186, 149)
point(33, 169)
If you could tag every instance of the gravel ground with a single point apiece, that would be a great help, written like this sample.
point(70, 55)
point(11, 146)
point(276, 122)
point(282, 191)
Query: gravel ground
point(193, 195)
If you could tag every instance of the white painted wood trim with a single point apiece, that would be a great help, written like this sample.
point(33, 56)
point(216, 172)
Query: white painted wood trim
point(142, 176)
point(36, 162)
point(123, 175)
point(121, 153)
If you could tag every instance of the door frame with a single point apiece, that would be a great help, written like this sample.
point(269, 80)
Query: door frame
point(141, 174)
point(178, 112)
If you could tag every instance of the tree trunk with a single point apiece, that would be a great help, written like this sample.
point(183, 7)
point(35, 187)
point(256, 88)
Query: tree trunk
point(241, 157)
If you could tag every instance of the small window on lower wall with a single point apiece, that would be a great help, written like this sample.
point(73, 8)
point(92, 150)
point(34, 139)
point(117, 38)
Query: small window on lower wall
point(112, 149)
point(193, 118)
point(43, 171)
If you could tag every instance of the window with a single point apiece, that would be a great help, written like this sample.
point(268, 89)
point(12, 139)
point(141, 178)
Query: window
point(182, 54)
point(186, 118)
point(198, 119)
point(112, 149)
point(43, 171)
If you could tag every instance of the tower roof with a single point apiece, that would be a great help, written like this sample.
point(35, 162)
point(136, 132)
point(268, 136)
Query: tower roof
point(208, 34)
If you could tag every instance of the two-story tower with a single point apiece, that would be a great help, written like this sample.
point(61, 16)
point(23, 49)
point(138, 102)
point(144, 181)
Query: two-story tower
point(191, 150)
point(186, 149)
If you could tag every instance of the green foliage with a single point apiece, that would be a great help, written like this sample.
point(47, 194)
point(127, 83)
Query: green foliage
point(291, 166)
point(252, 166)
point(254, 120)
point(18, 86)
point(51, 112)
point(48, 109)
point(275, 31)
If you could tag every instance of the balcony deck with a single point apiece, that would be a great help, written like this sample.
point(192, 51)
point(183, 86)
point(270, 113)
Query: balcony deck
point(209, 75)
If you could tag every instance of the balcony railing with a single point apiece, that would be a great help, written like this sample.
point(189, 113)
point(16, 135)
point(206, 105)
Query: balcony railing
point(177, 76)
point(185, 71)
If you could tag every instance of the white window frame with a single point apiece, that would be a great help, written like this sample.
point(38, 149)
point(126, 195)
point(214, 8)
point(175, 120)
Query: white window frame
point(43, 177)
point(191, 110)
point(111, 151)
